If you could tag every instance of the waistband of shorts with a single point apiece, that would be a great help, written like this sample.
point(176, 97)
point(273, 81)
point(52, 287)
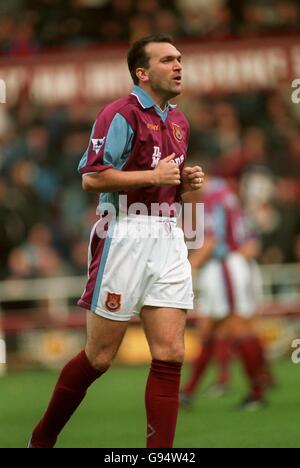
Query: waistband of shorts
point(122, 216)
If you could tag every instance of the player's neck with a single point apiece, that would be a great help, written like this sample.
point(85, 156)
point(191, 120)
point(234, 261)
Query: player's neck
point(160, 101)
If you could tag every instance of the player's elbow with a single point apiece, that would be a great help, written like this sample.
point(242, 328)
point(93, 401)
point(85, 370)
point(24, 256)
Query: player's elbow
point(91, 183)
point(96, 182)
point(86, 186)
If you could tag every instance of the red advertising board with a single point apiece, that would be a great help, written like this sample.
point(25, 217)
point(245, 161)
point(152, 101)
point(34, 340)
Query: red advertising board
point(100, 75)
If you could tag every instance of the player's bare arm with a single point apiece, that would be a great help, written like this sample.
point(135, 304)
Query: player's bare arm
point(113, 180)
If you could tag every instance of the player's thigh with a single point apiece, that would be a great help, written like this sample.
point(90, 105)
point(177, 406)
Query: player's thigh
point(104, 337)
point(164, 330)
point(239, 327)
point(222, 328)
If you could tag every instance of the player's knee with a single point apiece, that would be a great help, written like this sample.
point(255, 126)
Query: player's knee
point(239, 327)
point(207, 335)
point(172, 352)
point(101, 362)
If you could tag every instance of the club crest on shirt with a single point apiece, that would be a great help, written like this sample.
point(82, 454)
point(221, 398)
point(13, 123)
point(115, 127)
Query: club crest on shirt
point(177, 132)
point(97, 144)
point(113, 301)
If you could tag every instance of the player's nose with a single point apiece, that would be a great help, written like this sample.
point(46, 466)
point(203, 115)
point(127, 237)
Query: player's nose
point(177, 65)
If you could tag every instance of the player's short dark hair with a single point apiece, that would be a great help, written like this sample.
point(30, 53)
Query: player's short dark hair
point(137, 56)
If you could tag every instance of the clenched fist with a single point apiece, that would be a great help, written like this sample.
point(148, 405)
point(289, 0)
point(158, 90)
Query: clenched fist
point(192, 178)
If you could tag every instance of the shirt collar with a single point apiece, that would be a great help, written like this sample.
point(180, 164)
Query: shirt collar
point(146, 101)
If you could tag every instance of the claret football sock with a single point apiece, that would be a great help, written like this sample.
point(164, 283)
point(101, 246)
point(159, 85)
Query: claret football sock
point(250, 353)
point(71, 387)
point(161, 401)
point(267, 377)
point(222, 355)
point(199, 365)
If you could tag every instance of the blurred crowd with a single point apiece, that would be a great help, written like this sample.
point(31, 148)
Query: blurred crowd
point(29, 26)
point(253, 138)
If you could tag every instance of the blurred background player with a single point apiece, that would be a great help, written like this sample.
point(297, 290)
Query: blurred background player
point(222, 359)
point(229, 284)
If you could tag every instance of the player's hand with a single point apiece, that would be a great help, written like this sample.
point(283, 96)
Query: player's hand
point(192, 178)
point(167, 172)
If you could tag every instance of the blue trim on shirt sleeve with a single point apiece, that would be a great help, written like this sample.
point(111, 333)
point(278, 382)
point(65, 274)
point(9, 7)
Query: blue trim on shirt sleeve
point(84, 158)
point(118, 142)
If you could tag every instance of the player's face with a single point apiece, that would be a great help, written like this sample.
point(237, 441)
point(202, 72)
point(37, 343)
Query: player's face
point(165, 69)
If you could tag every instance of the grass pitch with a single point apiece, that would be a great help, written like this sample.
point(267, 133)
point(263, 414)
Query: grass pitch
point(112, 415)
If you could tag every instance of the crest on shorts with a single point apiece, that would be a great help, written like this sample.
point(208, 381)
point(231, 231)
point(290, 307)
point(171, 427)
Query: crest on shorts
point(177, 132)
point(113, 301)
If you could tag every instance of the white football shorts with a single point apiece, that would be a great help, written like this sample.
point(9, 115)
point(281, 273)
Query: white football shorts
point(232, 286)
point(142, 260)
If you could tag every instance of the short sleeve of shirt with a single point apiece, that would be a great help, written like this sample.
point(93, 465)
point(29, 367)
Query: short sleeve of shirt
point(109, 145)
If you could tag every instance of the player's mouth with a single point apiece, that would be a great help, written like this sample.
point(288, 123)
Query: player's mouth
point(177, 79)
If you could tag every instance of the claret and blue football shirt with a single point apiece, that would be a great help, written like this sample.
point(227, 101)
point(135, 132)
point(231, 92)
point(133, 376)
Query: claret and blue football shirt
point(134, 134)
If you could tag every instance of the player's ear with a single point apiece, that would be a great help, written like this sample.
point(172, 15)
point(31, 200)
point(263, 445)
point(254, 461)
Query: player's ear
point(142, 75)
